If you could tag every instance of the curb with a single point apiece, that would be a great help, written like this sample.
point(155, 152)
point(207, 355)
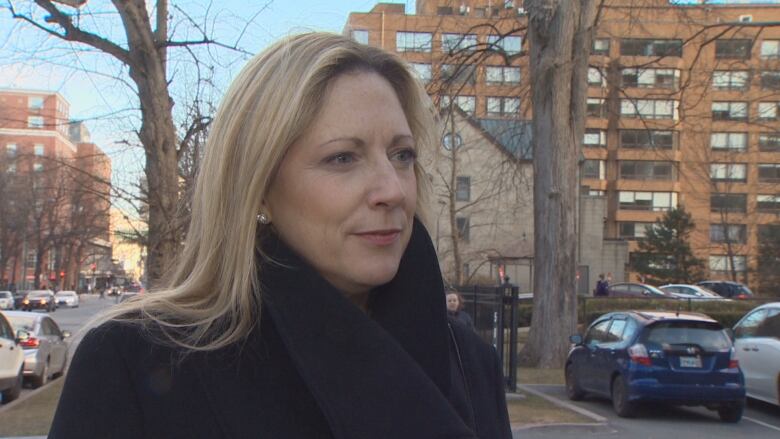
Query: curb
point(588, 414)
point(14, 403)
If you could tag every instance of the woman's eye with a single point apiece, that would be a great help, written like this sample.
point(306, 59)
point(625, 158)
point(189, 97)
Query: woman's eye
point(407, 155)
point(341, 158)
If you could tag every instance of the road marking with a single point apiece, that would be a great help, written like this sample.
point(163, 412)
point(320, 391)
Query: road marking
point(773, 427)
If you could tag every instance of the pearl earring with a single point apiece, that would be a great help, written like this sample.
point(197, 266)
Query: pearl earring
point(263, 219)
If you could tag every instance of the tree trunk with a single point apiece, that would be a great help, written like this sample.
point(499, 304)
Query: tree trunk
point(559, 35)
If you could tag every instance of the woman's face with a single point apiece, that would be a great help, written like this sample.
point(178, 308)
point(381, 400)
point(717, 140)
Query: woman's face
point(345, 194)
point(452, 302)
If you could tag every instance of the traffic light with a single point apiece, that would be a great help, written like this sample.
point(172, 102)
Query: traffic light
point(62, 274)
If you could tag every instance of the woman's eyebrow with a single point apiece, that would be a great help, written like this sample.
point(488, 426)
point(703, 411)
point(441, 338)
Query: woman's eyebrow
point(357, 141)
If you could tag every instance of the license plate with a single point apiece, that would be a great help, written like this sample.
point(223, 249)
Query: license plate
point(690, 362)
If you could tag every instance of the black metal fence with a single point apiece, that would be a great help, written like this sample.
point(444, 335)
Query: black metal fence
point(494, 312)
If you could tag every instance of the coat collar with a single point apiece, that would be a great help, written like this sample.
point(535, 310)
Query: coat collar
point(357, 366)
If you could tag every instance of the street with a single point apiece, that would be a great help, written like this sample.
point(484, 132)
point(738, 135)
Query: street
point(760, 420)
point(73, 319)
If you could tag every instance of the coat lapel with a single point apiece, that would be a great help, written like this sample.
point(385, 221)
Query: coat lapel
point(380, 377)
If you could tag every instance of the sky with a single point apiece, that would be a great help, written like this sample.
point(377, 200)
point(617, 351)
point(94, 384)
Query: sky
point(31, 60)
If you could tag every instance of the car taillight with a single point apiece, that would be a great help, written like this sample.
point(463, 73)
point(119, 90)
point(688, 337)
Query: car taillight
point(31, 342)
point(742, 296)
point(638, 354)
point(733, 362)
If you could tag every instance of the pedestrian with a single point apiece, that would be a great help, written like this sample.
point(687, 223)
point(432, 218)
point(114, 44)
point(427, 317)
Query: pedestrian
point(307, 299)
point(602, 287)
point(455, 310)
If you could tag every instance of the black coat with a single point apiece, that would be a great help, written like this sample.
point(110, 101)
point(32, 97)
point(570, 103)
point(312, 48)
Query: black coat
point(317, 367)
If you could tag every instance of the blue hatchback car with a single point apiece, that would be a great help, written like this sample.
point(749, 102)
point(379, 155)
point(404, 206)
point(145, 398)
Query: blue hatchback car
point(673, 358)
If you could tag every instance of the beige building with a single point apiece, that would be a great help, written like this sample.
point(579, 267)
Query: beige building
point(129, 255)
point(683, 106)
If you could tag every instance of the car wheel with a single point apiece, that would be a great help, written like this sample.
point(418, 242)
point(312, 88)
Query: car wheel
point(40, 380)
point(623, 407)
point(62, 371)
point(14, 392)
point(732, 412)
point(573, 390)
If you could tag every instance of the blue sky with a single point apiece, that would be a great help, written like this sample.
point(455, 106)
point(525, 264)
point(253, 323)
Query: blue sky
point(30, 60)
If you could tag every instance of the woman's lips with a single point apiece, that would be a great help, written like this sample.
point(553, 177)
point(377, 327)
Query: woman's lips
point(380, 237)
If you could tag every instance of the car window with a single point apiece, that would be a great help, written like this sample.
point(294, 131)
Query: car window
point(770, 326)
point(615, 333)
point(597, 334)
point(748, 326)
point(51, 327)
point(5, 295)
point(707, 335)
point(673, 290)
point(23, 322)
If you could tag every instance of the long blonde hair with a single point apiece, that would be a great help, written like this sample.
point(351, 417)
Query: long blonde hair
point(212, 297)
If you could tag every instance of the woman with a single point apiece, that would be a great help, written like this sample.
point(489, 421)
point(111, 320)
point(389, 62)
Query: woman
point(303, 304)
point(455, 309)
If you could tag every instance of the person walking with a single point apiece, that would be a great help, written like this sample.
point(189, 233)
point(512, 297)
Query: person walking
point(602, 287)
point(455, 310)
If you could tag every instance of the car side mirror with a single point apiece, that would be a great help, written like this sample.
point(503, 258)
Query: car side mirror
point(22, 336)
point(576, 339)
point(66, 334)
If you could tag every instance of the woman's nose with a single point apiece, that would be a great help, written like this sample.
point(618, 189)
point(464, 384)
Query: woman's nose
point(387, 188)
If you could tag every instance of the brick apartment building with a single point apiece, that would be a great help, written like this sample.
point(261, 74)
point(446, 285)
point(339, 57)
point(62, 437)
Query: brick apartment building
point(54, 195)
point(683, 108)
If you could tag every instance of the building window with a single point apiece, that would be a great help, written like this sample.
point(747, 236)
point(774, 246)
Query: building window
point(600, 46)
point(480, 12)
point(651, 78)
point(769, 172)
point(596, 77)
point(35, 122)
point(770, 80)
point(729, 141)
point(653, 201)
point(648, 109)
point(466, 103)
point(31, 260)
point(37, 167)
point(10, 150)
point(34, 102)
point(423, 71)
point(596, 193)
point(463, 189)
point(361, 36)
point(38, 149)
point(729, 110)
point(728, 172)
point(732, 49)
point(413, 41)
point(595, 137)
point(728, 233)
point(769, 142)
point(768, 231)
point(770, 49)
point(633, 230)
point(648, 139)
point(767, 110)
point(500, 75)
point(444, 10)
point(11, 168)
point(728, 203)
point(647, 47)
point(730, 79)
point(768, 203)
point(464, 227)
point(596, 108)
point(593, 169)
point(502, 106)
point(647, 170)
point(723, 263)
point(509, 44)
point(458, 73)
point(458, 42)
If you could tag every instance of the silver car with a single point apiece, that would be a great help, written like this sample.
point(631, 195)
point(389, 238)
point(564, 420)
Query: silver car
point(6, 300)
point(757, 344)
point(45, 350)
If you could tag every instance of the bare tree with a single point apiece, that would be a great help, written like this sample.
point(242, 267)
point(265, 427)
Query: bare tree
point(559, 34)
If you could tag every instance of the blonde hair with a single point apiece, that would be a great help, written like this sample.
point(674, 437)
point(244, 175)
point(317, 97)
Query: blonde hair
point(212, 297)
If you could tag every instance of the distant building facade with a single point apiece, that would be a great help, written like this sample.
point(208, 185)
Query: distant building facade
point(54, 194)
point(683, 107)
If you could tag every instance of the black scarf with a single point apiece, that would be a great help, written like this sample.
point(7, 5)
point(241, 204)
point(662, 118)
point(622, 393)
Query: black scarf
point(357, 366)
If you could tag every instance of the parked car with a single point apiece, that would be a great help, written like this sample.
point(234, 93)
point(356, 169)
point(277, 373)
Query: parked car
point(671, 358)
point(45, 349)
point(11, 362)
point(6, 300)
point(39, 299)
point(757, 343)
point(67, 298)
point(727, 289)
point(692, 292)
point(631, 289)
point(19, 298)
